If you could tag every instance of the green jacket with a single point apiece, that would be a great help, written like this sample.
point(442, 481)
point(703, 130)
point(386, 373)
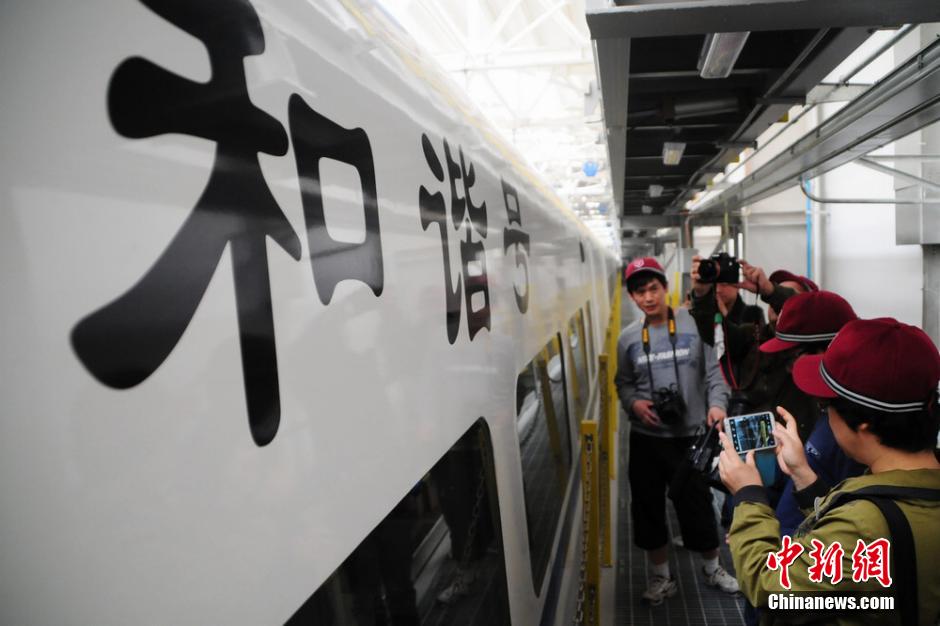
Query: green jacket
point(755, 533)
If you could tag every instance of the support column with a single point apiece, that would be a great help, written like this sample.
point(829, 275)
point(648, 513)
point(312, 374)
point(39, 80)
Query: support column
point(932, 291)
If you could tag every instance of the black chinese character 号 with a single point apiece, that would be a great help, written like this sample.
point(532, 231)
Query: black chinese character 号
point(468, 218)
point(125, 341)
point(515, 236)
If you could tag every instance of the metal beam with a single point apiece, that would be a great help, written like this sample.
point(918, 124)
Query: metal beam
point(891, 171)
point(664, 19)
point(613, 63)
point(649, 222)
point(530, 27)
point(904, 101)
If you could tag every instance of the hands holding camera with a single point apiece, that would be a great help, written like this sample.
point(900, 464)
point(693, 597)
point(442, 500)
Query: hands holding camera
point(644, 410)
point(737, 474)
point(753, 278)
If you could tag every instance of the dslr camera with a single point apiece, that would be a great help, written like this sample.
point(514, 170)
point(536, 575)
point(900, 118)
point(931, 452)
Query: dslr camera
point(702, 457)
point(668, 404)
point(720, 268)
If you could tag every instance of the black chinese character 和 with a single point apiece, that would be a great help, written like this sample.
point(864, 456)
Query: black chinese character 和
point(316, 137)
point(125, 341)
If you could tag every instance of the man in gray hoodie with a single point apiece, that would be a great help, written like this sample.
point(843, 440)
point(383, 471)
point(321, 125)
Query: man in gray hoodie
point(670, 385)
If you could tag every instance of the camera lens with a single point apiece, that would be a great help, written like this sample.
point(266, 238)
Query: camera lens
point(708, 271)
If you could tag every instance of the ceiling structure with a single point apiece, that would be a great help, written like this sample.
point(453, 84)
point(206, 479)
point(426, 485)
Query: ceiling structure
point(528, 65)
point(648, 54)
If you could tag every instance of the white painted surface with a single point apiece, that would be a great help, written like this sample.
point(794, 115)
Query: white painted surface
point(153, 504)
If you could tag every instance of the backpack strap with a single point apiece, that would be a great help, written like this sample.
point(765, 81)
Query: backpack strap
point(904, 561)
point(904, 556)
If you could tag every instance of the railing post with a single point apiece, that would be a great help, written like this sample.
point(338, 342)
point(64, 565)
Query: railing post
point(590, 517)
point(604, 471)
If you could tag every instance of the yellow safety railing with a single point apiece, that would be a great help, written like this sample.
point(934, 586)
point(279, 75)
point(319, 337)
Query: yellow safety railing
point(588, 606)
point(604, 471)
point(598, 439)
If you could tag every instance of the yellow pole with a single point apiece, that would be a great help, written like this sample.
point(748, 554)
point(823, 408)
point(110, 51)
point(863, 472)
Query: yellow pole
point(590, 518)
point(604, 471)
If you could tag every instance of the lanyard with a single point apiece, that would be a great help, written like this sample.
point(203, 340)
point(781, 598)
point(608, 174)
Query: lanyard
point(729, 379)
point(671, 322)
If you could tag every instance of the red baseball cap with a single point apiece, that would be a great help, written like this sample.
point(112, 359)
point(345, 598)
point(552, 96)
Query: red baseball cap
point(782, 276)
point(809, 317)
point(645, 264)
point(881, 364)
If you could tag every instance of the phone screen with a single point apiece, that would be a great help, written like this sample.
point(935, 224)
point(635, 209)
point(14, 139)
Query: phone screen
point(751, 432)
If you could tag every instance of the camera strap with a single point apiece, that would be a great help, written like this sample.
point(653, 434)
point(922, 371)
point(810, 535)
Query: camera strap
point(671, 325)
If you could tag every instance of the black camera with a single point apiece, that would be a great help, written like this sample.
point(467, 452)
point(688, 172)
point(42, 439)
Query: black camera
point(720, 268)
point(698, 467)
point(668, 404)
point(702, 456)
point(739, 403)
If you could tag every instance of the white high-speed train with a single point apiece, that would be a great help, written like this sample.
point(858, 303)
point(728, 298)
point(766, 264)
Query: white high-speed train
point(289, 335)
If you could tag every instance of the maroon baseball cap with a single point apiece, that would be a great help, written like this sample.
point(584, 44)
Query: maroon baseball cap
point(645, 264)
point(810, 317)
point(782, 276)
point(881, 364)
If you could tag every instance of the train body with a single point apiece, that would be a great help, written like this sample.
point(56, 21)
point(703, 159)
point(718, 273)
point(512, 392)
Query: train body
point(263, 267)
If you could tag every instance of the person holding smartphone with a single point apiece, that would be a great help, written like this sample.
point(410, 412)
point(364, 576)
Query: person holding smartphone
point(669, 384)
point(878, 380)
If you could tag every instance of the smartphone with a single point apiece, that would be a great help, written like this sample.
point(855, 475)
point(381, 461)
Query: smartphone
point(754, 431)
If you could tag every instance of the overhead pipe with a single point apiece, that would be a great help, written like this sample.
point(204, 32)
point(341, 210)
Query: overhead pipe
point(804, 182)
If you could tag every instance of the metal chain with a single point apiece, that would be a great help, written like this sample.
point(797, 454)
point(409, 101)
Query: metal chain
point(585, 521)
point(477, 506)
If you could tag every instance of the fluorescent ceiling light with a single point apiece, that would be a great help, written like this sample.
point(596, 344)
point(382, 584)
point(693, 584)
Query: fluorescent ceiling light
point(720, 53)
point(672, 152)
point(646, 209)
point(655, 191)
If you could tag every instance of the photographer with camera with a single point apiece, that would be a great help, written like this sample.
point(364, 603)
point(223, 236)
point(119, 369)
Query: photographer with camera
point(759, 382)
point(668, 382)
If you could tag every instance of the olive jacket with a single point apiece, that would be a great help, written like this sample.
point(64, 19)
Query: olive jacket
point(755, 534)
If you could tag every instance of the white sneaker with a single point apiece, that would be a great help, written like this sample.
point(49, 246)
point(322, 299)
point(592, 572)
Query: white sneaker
point(660, 588)
point(458, 588)
point(722, 579)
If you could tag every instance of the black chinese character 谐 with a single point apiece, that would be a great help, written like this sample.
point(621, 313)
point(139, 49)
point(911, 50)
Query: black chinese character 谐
point(468, 218)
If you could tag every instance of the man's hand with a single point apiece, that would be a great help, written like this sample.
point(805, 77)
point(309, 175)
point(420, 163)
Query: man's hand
point(755, 280)
point(644, 410)
point(790, 453)
point(715, 415)
point(735, 473)
point(698, 287)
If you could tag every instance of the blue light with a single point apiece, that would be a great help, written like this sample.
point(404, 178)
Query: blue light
point(589, 168)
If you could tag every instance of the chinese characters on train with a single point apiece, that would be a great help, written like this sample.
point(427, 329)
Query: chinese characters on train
point(123, 342)
point(870, 561)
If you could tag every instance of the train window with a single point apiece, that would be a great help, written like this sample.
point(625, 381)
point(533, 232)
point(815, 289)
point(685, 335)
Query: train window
point(543, 426)
point(589, 334)
point(579, 374)
point(436, 558)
